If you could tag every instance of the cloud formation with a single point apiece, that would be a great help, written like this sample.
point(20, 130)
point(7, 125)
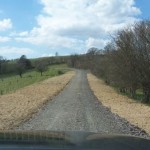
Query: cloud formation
point(5, 24)
point(81, 24)
point(14, 50)
point(4, 39)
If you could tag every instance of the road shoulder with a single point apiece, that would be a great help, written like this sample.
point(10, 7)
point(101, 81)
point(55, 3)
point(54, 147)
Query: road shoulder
point(134, 112)
point(18, 107)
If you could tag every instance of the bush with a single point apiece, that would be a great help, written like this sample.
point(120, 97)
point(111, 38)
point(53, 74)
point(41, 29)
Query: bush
point(60, 72)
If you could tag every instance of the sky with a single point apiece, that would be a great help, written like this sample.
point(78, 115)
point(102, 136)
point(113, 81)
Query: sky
point(39, 28)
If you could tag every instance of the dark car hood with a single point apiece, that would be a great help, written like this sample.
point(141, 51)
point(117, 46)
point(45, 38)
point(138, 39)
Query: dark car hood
point(75, 140)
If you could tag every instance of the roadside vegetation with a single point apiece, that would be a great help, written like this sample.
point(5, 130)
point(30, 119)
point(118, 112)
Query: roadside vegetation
point(22, 89)
point(13, 82)
point(124, 63)
point(23, 72)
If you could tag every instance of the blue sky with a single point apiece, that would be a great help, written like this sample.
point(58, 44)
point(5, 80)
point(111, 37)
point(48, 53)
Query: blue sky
point(144, 5)
point(39, 28)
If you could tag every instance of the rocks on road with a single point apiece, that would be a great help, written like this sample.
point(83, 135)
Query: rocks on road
point(77, 109)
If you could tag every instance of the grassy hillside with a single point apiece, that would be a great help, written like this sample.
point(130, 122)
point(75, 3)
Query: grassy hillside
point(10, 83)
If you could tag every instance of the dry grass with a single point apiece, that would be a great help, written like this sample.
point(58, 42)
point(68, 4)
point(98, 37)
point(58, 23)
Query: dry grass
point(136, 113)
point(19, 106)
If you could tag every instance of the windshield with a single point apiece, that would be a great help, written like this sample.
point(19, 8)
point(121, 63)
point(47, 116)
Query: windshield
point(75, 65)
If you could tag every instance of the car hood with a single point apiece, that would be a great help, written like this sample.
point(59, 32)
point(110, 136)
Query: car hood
point(74, 139)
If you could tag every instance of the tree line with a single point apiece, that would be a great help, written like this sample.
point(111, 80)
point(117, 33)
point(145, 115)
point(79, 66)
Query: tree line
point(124, 62)
point(23, 64)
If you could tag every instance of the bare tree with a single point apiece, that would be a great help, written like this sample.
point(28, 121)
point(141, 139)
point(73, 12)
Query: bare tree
point(41, 67)
point(142, 46)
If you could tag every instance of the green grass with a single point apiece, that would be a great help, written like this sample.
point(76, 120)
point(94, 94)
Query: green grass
point(10, 83)
point(138, 95)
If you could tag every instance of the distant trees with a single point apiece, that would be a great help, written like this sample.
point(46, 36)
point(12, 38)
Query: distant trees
point(41, 66)
point(90, 56)
point(51, 60)
point(23, 64)
point(1, 62)
point(73, 61)
point(125, 61)
point(6, 67)
point(26, 63)
point(9, 68)
point(18, 66)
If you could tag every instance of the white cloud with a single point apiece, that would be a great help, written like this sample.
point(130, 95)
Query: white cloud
point(76, 24)
point(25, 33)
point(15, 50)
point(52, 41)
point(47, 55)
point(100, 43)
point(19, 34)
point(5, 24)
point(4, 39)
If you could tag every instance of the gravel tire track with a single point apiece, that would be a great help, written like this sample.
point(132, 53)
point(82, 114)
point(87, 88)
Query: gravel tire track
point(77, 109)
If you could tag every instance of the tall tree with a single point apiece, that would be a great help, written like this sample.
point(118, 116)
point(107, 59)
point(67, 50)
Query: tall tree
point(23, 64)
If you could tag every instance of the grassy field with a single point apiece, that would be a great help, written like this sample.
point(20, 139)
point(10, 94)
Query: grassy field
point(10, 83)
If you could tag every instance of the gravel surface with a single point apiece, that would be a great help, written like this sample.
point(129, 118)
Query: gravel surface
point(77, 109)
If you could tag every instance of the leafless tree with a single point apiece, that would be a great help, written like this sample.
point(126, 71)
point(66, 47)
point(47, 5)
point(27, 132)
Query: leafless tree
point(41, 66)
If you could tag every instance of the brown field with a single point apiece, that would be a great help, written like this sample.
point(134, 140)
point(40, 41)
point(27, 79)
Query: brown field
point(17, 107)
point(136, 113)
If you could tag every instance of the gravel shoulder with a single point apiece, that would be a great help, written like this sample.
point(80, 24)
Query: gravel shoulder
point(77, 109)
point(134, 112)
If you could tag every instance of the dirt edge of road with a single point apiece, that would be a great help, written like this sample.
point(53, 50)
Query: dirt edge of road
point(18, 107)
point(134, 112)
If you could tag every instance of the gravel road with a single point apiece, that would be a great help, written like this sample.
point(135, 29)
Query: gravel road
point(77, 109)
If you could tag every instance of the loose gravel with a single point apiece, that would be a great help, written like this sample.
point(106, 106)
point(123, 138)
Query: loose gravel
point(77, 109)
point(133, 111)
